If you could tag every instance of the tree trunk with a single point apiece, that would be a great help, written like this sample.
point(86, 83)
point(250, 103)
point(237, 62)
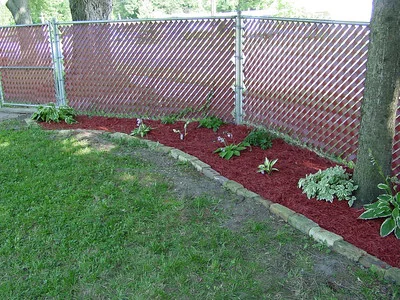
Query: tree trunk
point(20, 11)
point(379, 106)
point(86, 10)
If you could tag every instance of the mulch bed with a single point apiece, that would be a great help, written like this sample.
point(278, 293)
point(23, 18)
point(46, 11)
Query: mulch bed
point(279, 187)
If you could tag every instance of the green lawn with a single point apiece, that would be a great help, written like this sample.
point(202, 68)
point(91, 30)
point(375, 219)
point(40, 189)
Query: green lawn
point(86, 223)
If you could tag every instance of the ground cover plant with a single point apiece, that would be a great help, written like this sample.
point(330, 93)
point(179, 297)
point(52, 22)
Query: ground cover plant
point(281, 187)
point(211, 122)
point(89, 217)
point(52, 113)
point(387, 206)
point(329, 184)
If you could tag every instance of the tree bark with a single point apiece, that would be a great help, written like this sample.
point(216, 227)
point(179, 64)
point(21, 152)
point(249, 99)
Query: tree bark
point(20, 11)
point(87, 10)
point(379, 106)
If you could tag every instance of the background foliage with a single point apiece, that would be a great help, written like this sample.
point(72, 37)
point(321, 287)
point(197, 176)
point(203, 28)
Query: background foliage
point(44, 10)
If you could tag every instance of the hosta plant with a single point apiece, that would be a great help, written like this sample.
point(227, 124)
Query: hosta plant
point(141, 129)
point(387, 206)
point(211, 122)
point(52, 113)
point(231, 150)
point(268, 166)
point(329, 184)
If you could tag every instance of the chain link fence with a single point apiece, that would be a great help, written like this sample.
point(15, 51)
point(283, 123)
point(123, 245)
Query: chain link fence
point(304, 78)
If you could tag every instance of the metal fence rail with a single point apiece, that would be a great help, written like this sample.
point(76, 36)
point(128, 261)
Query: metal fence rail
point(303, 78)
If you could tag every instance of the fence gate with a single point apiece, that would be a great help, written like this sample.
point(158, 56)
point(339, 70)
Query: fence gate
point(28, 76)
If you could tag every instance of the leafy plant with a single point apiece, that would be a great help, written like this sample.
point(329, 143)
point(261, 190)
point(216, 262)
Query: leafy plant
point(170, 119)
point(387, 206)
point(211, 122)
point(51, 113)
point(331, 183)
point(141, 129)
point(267, 166)
point(230, 150)
point(184, 133)
point(260, 137)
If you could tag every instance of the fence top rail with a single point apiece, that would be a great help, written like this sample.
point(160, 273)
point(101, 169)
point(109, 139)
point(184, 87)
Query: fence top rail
point(227, 17)
point(306, 20)
point(148, 20)
point(24, 25)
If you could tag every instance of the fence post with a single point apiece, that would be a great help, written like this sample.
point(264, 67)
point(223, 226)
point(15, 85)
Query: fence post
point(239, 70)
point(58, 63)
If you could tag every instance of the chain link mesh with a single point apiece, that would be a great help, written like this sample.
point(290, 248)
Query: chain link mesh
point(150, 68)
point(306, 80)
point(26, 65)
point(302, 78)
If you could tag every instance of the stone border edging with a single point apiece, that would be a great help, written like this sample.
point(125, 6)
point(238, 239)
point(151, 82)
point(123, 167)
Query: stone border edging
point(296, 220)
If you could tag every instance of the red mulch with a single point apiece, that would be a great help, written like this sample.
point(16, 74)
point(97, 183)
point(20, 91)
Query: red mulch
point(280, 187)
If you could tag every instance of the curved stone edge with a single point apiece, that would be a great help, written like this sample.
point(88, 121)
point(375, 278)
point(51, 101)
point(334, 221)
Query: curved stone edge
point(296, 220)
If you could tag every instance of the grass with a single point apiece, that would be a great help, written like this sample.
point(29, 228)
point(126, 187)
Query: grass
point(87, 223)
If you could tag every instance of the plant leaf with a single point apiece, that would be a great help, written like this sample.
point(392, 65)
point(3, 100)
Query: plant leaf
point(228, 155)
point(383, 186)
point(397, 232)
point(375, 213)
point(387, 227)
point(385, 197)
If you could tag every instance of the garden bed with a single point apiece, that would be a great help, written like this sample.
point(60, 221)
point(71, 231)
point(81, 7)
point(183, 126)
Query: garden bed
point(279, 187)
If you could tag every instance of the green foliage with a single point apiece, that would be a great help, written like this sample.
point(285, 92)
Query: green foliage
point(170, 119)
point(141, 129)
point(331, 183)
point(231, 150)
point(267, 166)
point(51, 113)
point(211, 122)
point(47, 10)
point(260, 137)
point(387, 206)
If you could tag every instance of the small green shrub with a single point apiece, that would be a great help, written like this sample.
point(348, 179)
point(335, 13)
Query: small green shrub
point(329, 184)
point(387, 206)
point(141, 129)
point(260, 137)
point(51, 113)
point(231, 150)
point(170, 119)
point(211, 122)
point(267, 166)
